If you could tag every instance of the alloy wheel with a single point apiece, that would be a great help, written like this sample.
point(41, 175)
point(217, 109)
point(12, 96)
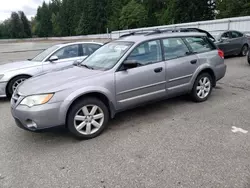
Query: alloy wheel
point(17, 83)
point(203, 88)
point(89, 119)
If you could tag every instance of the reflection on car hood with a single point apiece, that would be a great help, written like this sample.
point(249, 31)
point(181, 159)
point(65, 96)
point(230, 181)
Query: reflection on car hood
point(56, 80)
point(17, 65)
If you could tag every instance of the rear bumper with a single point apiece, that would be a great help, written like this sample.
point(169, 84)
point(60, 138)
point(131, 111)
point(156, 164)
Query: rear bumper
point(3, 89)
point(220, 71)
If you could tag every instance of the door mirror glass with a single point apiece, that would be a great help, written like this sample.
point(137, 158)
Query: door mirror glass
point(53, 58)
point(128, 64)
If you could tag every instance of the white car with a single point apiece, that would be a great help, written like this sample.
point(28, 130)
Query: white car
point(55, 57)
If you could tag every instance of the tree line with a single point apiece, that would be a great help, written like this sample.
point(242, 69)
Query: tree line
point(80, 17)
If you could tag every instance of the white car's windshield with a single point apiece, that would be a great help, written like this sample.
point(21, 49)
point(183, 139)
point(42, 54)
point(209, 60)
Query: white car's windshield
point(107, 56)
point(45, 53)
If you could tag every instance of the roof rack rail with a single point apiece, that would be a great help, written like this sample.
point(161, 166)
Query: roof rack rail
point(133, 33)
point(159, 31)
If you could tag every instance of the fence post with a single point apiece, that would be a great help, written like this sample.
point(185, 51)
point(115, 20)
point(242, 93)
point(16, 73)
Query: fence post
point(228, 24)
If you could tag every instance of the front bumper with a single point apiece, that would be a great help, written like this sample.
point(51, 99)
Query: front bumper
point(3, 89)
point(37, 117)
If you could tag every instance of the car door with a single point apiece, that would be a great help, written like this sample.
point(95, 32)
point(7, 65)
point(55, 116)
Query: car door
point(180, 63)
point(146, 81)
point(224, 43)
point(66, 56)
point(236, 42)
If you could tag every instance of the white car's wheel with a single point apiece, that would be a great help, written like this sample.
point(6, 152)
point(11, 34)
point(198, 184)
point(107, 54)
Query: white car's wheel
point(14, 83)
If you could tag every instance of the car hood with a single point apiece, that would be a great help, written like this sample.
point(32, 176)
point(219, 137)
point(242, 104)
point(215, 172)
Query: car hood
point(17, 65)
point(56, 80)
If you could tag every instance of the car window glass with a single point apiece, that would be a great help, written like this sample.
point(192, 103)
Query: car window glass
point(174, 48)
point(67, 52)
point(226, 35)
point(45, 53)
point(199, 44)
point(93, 47)
point(85, 50)
point(147, 53)
point(236, 34)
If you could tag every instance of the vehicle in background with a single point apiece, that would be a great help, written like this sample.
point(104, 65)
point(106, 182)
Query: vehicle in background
point(248, 57)
point(122, 74)
point(55, 57)
point(232, 42)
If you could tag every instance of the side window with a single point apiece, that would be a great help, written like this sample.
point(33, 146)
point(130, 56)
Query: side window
point(236, 34)
point(88, 49)
point(226, 35)
point(67, 52)
point(174, 48)
point(199, 44)
point(147, 53)
point(93, 47)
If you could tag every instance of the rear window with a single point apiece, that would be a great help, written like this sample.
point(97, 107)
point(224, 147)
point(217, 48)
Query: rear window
point(200, 44)
point(236, 34)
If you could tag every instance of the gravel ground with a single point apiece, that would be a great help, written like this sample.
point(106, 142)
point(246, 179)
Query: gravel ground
point(173, 143)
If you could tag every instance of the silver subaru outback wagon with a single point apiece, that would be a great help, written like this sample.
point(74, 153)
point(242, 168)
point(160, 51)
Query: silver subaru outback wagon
point(122, 74)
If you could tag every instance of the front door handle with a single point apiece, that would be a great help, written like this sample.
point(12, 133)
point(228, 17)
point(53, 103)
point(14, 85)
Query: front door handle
point(193, 61)
point(157, 70)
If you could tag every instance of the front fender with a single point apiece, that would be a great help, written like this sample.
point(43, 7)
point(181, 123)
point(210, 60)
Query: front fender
point(83, 91)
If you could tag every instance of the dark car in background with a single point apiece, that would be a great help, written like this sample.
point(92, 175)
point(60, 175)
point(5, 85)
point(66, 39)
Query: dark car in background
point(232, 42)
point(248, 57)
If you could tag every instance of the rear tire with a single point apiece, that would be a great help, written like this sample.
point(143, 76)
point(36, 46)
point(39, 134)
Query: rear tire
point(88, 118)
point(14, 83)
point(202, 88)
point(244, 50)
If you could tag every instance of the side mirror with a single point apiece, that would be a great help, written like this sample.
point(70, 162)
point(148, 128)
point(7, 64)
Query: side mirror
point(77, 62)
point(128, 64)
point(222, 39)
point(53, 58)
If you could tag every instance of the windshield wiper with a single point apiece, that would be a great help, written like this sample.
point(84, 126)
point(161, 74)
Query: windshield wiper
point(86, 66)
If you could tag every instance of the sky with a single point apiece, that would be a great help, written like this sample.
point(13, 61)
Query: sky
point(29, 7)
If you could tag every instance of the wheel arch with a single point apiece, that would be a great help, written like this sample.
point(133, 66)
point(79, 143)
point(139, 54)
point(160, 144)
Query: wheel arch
point(13, 77)
point(95, 94)
point(209, 71)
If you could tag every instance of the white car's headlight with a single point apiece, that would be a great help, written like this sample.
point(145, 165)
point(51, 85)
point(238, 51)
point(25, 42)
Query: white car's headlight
point(1, 76)
point(35, 100)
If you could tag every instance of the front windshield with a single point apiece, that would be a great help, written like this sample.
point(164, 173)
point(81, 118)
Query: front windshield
point(107, 56)
point(45, 53)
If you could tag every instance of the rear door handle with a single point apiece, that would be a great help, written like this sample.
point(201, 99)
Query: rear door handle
point(157, 70)
point(193, 61)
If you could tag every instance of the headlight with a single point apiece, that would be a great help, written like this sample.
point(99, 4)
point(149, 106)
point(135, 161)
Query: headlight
point(1, 76)
point(36, 100)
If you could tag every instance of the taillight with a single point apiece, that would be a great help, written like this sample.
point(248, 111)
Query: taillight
point(221, 54)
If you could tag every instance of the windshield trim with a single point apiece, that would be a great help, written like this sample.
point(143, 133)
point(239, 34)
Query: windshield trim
point(125, 52)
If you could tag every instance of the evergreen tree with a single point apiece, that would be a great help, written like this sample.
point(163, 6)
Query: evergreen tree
point(16, 26)
point(26, 24)
point(133, 15)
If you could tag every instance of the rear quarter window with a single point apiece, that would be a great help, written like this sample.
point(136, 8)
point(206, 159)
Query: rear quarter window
point(200, 44)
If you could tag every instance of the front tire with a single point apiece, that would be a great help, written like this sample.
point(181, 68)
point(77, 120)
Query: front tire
point(244, 50)
point(202, 88)
point(248, 58)
point(14, 83)
point(88, 118)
